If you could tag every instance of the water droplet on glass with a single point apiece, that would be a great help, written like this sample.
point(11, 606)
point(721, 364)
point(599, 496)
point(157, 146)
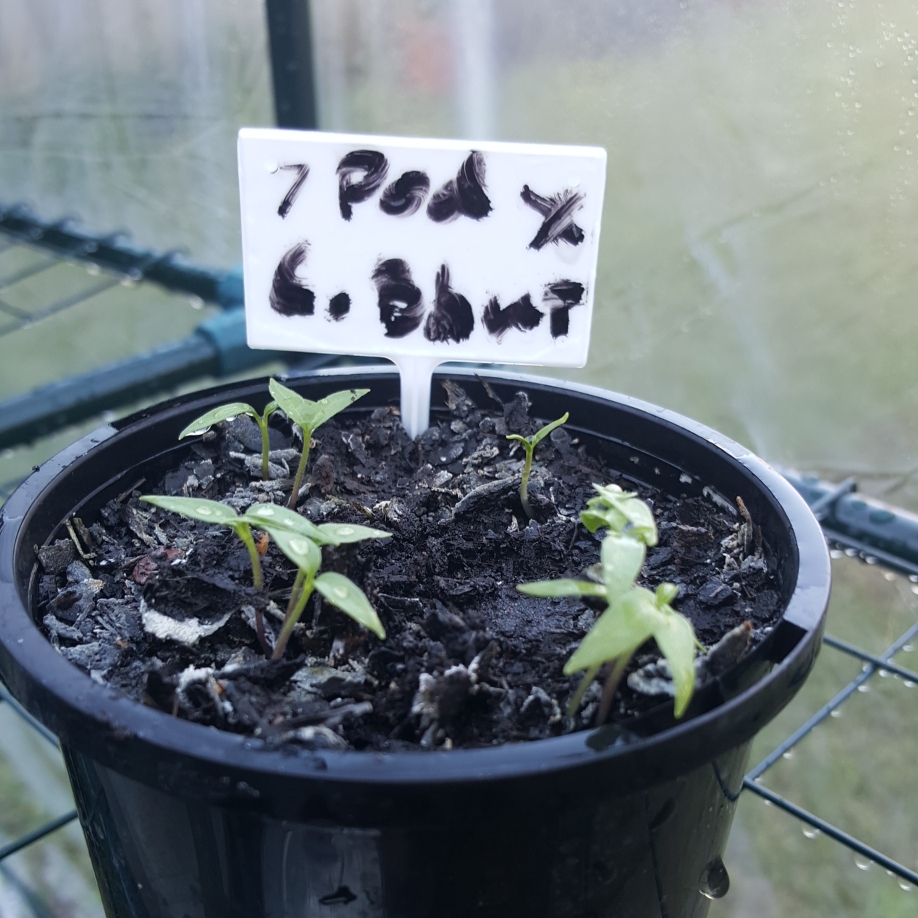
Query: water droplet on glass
point(715, 881)
point(810, 832)
point(862, 863)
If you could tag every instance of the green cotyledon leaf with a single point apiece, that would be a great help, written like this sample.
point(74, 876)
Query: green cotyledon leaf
point(308, 414)
point(553, 589)
point(196, 508)
point(222, 413)
point(350, 599)
point(300, 549)
point(271, 516)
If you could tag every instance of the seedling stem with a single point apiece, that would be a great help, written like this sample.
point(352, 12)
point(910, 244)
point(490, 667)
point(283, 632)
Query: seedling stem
point(529, 445)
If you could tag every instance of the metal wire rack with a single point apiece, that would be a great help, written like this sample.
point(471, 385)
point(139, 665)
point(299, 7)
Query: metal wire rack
point(858, 526)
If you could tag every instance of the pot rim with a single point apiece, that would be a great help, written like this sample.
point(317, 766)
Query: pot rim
point(56, 691)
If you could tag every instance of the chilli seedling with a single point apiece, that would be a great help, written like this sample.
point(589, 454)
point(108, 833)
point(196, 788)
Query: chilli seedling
point(233, 410)
point(529, 445)
point(308, 416)
point(300, 541)
point(633, 614)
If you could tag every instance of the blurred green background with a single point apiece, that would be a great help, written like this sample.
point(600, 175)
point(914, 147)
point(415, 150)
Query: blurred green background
point(757, 271)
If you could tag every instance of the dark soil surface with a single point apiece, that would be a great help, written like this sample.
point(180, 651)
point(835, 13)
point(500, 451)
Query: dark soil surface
point(467, 661)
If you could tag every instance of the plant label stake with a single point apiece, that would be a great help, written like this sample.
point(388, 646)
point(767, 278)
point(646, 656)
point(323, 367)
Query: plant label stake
point(419, 251)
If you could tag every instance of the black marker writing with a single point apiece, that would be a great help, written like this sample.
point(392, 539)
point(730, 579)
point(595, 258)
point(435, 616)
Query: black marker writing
point(400, 307)
point(558, 210)
point(374, 167)
point(464, 195)
point(302, 170)
point(560, 297)
point(289, 296)
point(339, 306)
point(452, 318)
point(521, 315)
point(405, 195)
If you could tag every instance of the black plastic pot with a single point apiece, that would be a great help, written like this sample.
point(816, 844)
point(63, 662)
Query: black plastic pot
point(184, 821)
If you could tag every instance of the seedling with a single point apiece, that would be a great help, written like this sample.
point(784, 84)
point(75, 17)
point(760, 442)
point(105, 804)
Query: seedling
point(633, 614)
point(233, 410)
point(299, 540)
point(308, 416)
point(529, 444)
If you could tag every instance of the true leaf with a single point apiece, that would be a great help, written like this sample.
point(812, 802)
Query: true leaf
point(553, 589)
point(196, 508)
point(222, 413)
point(349, 598)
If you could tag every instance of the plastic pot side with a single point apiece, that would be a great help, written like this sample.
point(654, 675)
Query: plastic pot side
point(183, 820)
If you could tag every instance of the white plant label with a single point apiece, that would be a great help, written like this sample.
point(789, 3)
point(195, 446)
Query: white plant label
point(419, 251)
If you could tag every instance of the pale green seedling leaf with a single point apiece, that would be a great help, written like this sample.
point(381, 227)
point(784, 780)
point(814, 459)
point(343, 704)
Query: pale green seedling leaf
point(222, 413)
point(553, 589)
point(621, 629)
point(666, 593)
point(196, 508)
point(594, 518)
point(302, 551)
point(345, 533)
point(622, 559)
point(349, 598)
point(676, 639)
point(270, 517)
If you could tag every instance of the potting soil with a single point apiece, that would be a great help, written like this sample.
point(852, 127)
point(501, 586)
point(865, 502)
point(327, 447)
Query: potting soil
point(163, 608)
